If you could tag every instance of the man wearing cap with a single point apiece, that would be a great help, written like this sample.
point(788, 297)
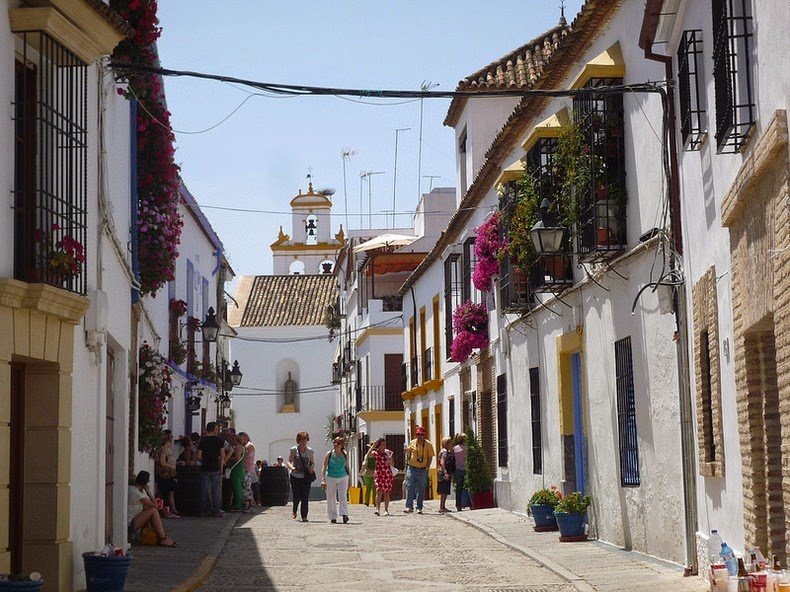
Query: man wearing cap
point(419, 454)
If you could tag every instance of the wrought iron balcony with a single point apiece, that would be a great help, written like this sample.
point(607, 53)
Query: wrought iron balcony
point(427, 360)
point(415, 371)
point(378, 398)
point(553, 273)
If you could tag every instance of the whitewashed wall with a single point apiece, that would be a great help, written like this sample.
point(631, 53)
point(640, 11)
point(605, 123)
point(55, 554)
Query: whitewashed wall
point(273, 433)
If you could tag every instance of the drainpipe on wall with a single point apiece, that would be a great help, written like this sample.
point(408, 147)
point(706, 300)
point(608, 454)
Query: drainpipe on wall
point(681, 321)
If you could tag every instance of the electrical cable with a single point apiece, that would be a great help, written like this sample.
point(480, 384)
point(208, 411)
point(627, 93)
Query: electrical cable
point(387, 323)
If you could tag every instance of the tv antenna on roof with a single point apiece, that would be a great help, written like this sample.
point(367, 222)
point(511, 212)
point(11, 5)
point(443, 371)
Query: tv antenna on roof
point(346, 154)
point(426, 85)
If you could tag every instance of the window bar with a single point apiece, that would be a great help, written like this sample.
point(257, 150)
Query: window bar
point(601, 217)
point(692, 112)
point(732, 30)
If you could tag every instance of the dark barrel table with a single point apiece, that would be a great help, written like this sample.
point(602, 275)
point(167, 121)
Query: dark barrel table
point(188, 490)
point(274, 486)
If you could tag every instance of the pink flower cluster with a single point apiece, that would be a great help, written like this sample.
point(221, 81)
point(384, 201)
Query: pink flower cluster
point(470, 325)
point(156, 379)
point(158, 221)
point(488, 244)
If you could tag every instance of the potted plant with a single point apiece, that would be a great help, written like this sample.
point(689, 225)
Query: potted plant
point(105, 572)
point(178, 352)
point(478, 480)
point(571, 515)
point(541, 508)
point(22, 581)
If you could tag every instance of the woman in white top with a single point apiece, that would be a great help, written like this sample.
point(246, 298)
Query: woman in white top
point(143, 510)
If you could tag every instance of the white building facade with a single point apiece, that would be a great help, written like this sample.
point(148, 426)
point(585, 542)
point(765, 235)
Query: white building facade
point(573, 389)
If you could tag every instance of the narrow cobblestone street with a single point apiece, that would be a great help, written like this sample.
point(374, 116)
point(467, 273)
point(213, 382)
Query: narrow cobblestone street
point(271, 552)
point(401, 552)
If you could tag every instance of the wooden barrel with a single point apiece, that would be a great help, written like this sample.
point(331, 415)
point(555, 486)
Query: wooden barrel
point(188, 490)
point(274, 486)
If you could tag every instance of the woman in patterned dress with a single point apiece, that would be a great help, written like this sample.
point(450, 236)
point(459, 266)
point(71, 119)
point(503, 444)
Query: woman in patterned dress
point(383, 475)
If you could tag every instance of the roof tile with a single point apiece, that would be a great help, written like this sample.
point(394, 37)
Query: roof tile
point(284, 300)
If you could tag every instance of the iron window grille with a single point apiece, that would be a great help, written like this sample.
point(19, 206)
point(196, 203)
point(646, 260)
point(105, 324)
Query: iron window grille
point(732, 38)
point(514, 284)
point(537, 442)
point(708, 433)
point(692, 111)
point(451, 417)
point(50, 164)
point(427, 360)
point(501, 420)
point(551, 273)
point(468, 289)
point(452, 297)
point(601, 230)
point(415, 371)
point(626, 414)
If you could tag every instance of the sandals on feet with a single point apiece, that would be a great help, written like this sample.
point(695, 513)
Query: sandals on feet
point(167, 542)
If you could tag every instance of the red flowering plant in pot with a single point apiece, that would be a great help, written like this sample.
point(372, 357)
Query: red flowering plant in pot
point(179, 307)
point(488, 244)
point(156, 379)
point(62, 257)
point(158, 220)
point(470, 324)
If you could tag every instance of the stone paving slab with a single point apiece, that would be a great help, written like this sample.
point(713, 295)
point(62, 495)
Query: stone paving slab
point(590, 566)
point(161, 569)
point(399, 553)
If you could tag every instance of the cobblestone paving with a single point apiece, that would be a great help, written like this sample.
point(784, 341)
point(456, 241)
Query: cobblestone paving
point(271, 552)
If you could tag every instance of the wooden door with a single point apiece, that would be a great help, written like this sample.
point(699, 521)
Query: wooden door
point(109, 448)
point(392, 382)
point(17, 466)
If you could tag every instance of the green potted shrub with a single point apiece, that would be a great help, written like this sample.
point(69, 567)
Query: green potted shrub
point(23, 581)
point(478, 480)
point(541, 508)
point(571, 515)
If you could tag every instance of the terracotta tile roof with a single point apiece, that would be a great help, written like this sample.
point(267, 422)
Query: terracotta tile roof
point(282, 300)
point(592, 17)
point(518, 69)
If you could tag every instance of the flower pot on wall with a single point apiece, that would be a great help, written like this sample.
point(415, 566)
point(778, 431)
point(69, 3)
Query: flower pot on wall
point(544, 517)
point(571, 526)
point(481, 501)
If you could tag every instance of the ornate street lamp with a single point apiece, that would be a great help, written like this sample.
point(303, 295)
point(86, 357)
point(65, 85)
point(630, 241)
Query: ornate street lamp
point(227, 378)
point(235, 374)
point(210, 327)
point(546, 235)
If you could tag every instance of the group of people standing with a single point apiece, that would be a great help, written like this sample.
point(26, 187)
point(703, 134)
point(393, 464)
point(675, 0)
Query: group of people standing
point(377, 473)
point(218, 455)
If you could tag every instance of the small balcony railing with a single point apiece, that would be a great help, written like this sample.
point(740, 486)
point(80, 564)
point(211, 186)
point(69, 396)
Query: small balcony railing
point(379, 398)
point(427, 360)
point(553, 273)
point(358, 398)
point(336, 373)
point(415, 371)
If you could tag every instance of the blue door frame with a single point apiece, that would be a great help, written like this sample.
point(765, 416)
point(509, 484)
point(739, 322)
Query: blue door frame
point(579, 442)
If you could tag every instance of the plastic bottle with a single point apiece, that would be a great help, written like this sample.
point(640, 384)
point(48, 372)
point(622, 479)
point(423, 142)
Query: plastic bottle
point(728, 556)
point(714, 546)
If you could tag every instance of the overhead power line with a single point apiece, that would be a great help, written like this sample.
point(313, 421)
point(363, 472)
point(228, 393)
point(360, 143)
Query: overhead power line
point(305, 90)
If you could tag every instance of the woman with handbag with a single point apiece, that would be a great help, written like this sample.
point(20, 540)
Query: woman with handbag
point(367, 473)
point(302, 466)
point(385, 470)
point(166, 474)
point(335, 480)
point(446, 469)
point(234, 471)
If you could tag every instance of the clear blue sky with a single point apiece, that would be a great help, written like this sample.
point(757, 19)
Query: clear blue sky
point(260, 156)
